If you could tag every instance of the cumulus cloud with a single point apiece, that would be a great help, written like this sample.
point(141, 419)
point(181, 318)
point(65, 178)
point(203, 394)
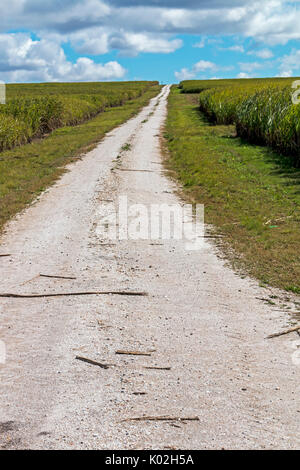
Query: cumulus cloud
point(290, 64)
point(24, 59)
point(61, 16)
point(96, 27)
point(200, 44)
point(262, 53)
point(189, 4)
point(135, 43)
point(234, 49)
point(275, 21)
point(201, 66)
point(243, 75)
point(98, 41)
point(94, 41)
point(250, 66)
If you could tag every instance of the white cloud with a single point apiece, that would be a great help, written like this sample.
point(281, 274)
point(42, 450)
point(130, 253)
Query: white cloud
point(236, 49)
point(189, 4)
point(243, 75)
point(285, 73)
point(97, 41)
point(184, 74)
point(87, 70)
point(250, 66)
point(53, 15)
point(95, 27)
point(290, 64)
point(276, 22)
point(272, 21)
point(92, 42)
point(262, 53)
point(201, 66)
point(200, 44)
point(22, 59)
point(135, 43)
point(233, 49)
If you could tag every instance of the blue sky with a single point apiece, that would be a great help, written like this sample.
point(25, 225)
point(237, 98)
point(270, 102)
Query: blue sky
point(171, 40)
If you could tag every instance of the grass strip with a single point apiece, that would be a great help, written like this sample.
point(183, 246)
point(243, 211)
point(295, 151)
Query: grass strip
point(251, 194)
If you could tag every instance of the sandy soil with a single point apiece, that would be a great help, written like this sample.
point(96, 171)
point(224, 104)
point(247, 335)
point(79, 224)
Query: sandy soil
point(200, 319)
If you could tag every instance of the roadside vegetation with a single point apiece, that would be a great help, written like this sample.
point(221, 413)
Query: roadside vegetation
point(197, 86)
point(34, 110)
point(25, 171)
point(251, 193)
point(263, 114)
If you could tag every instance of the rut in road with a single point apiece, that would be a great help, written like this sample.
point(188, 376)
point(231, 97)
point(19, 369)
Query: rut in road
point(201, 326)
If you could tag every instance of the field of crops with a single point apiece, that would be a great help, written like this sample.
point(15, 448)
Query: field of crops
point(34, 110)
point(197, 86)
point(261, 109)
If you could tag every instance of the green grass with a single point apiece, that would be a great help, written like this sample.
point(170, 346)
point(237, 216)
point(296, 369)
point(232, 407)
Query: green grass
point(251, 194)
point(27, 170)
point(126, 147)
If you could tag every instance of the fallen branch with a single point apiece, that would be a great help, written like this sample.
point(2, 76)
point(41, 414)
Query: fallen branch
point(285, 332)
point(129, 169)
point(162, 418)
point(133, 353)
point(63, 294)
point(157, 368)
point(212, 236)
point(57, 277)
point(94, 363)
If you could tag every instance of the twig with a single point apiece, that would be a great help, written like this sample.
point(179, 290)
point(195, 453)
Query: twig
point(129, 169)
point(162, 418)
point(94, 363)
point(57, 277)
point(157, 368)
point(277, 220)
point(212, 236)
point(263, 299)
point(63, 294)
point(4, 256)
point(285, 332)
point(29, 280)
point(133, 353)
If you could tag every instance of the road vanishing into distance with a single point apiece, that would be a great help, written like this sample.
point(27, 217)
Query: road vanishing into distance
point(187, 366)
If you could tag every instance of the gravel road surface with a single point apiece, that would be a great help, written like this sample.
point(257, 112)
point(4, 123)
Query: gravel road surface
point(202, 326)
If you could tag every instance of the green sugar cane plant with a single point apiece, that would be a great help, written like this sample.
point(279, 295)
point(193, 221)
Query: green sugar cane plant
point(263, 113)
point(33, 110)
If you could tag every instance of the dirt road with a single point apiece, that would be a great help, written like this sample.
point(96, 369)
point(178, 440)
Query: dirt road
point(201, 324)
